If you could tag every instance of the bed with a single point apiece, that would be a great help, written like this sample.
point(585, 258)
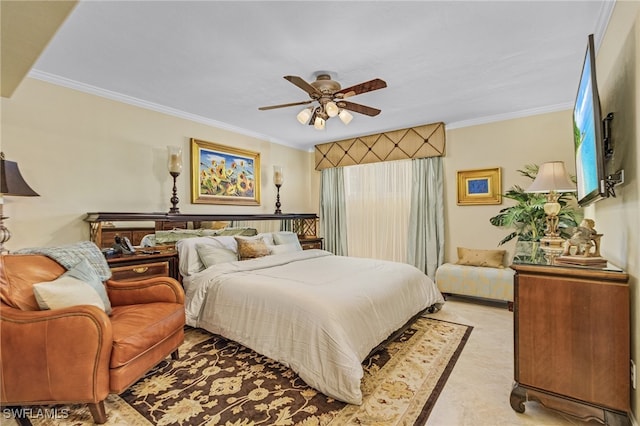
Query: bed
point(317, 313)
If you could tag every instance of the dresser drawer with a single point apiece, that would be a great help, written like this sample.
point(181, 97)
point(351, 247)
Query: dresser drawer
point(140, 271)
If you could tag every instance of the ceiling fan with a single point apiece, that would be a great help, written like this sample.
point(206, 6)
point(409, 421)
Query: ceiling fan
point(330, 97)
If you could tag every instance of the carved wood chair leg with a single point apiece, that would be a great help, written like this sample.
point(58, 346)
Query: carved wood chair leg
point(98, 412)
point(175, 355)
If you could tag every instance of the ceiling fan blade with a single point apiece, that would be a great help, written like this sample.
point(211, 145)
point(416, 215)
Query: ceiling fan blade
point(365, 87)
point(312, 91)
point(362, 109)
point(284, 105)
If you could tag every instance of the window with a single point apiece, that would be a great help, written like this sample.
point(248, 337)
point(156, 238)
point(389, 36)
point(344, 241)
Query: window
point(378, 201)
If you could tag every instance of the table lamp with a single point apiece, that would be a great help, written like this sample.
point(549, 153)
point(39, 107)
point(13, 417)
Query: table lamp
point(11, 184)
point(552, 179)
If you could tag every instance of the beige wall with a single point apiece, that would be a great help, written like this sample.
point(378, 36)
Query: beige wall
point(618, 68)
point(510, 145)
point(513, 143)
point(84, 153)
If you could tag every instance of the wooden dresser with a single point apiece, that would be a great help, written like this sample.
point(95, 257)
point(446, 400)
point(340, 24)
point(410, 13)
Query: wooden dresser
point(572, 341)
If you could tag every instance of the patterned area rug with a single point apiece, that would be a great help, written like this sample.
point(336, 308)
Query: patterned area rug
point(219, 382)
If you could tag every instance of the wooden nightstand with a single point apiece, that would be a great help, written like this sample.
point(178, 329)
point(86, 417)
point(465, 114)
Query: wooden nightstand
point(142, 264)
point(309, 243)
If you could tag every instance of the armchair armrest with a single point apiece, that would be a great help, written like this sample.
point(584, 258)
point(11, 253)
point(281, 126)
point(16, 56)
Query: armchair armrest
point(54, 355)
point(150, 290)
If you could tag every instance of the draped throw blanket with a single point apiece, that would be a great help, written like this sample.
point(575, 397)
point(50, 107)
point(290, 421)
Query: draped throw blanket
point(69, 255)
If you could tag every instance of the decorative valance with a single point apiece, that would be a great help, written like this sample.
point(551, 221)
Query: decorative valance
point(414, 142)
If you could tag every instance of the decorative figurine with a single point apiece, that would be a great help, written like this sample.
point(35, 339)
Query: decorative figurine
point(583, 248)
point(584, 239)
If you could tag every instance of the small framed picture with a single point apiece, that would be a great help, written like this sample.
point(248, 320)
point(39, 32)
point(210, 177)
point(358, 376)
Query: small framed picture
point(224, 175)
point(481, 186)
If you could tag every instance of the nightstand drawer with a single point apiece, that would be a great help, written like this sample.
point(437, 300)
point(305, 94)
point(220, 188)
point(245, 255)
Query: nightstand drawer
point(140, 271)
point(311, 243)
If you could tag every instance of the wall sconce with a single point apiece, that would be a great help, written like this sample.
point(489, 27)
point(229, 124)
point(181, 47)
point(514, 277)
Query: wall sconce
point(278, 180)
point(552, 179)
point(11, 184)
point(175, 168)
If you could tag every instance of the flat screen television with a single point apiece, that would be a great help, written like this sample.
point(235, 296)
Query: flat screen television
point(588, 134)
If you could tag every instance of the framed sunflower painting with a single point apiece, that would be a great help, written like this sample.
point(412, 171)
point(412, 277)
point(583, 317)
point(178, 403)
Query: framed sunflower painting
point(224, 175)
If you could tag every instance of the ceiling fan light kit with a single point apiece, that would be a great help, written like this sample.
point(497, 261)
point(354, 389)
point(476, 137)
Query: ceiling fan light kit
point(319, 123)
point(331, 108)
point(345, 116)
point(330, 98)
point(304, 115)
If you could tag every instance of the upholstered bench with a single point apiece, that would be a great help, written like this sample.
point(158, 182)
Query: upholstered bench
point(464, 278)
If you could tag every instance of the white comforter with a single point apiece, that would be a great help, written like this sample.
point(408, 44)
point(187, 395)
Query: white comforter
point(317, 313)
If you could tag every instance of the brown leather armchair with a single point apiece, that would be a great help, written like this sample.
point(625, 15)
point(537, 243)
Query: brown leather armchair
point(80, 354)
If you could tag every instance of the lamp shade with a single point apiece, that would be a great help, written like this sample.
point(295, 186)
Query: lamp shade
point(11, 180)
point(304, 116)
point(552, 177)
point(345, 116)
point(331, 108)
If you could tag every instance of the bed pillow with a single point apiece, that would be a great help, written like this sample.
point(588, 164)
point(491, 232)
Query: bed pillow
point(267, 237)
point(66, 291)
point(251, 248)
point(286, 237)
point(212, 255)
point(285, 248)
point(189, 261)
point(486, 258)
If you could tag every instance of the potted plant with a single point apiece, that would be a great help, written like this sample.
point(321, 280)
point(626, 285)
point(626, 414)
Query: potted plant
point(527, 218)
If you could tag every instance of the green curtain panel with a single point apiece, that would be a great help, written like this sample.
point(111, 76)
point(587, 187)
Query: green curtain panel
point(426, 221)
point(332, 211)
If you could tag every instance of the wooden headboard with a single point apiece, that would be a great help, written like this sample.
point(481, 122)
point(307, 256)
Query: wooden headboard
point(304, 224)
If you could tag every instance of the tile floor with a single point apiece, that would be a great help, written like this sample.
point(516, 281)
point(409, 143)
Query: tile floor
point(477, 392)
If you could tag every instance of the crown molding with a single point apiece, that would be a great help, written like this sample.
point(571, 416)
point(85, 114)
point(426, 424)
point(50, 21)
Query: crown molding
point(509, 116)
point(119, 97)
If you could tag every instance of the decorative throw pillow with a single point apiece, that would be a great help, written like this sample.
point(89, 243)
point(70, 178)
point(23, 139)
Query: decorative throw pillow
point(211, 255)
point(87, 274)
point(486, 258)
point(250, 248)
point(66, 291)
point(285, 248)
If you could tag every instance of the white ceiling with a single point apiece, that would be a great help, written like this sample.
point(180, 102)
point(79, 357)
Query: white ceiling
point(459, 62)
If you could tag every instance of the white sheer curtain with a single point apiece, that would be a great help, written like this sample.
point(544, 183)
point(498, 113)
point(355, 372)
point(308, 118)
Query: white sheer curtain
point(378, 203)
